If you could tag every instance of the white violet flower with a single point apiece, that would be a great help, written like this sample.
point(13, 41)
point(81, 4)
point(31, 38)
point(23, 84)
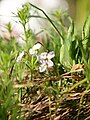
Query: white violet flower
point(46, 55)
point(33, 50)
point(20, 56)
point(45, 60)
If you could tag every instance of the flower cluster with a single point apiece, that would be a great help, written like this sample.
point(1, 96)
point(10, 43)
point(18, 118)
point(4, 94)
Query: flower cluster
point(45, 61)
point(44, 58)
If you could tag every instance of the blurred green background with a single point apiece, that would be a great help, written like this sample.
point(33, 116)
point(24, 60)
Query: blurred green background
point(78, 10)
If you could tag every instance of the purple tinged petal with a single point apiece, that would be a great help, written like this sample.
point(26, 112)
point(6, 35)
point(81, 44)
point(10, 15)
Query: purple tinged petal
point(42, 67)
point(49, 63)
point(43, 55)
point(34, 49)
point(36, 46)
point(51, 55)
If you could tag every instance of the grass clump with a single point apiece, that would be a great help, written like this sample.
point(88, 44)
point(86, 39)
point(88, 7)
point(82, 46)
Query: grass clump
point(47, 79)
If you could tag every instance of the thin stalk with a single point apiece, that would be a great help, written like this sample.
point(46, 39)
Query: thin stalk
point(29, 68)
point(48, 20)
point(77, 84)
point(26, 38)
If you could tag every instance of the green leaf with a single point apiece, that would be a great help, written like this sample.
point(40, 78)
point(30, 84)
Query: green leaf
point(62, 54)
point(70, 32)
point(72, 50)
point(86, 27)
point(86, 37)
